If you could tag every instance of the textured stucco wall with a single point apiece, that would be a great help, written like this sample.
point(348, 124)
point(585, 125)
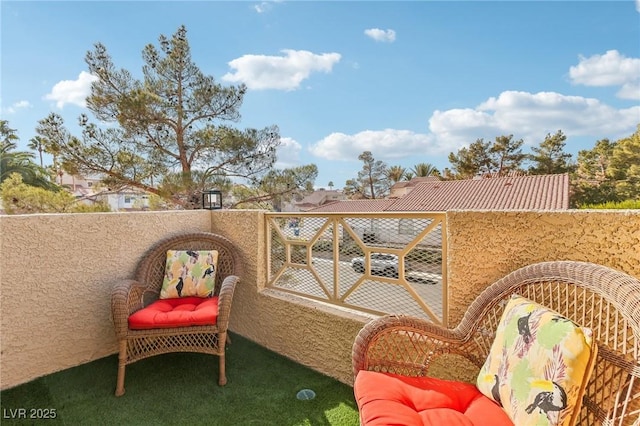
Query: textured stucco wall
point(485, 246)
point(44, 329)
point(316, 335)
point(55, 283)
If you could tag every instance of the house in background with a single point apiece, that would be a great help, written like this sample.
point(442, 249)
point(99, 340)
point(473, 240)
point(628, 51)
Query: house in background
point(78, 185)
point(88, 190)
point(126, 199)
point(530, 192)
point(400, 189)
point(317, 198)
point(536, 192)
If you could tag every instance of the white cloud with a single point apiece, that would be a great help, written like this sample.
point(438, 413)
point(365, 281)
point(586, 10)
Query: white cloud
point(261, 72)
point(18, 106)
point(528, 116)
point(377, 34)
point(388, 144)
point(531, 116)
point(265, 6)
point(262, 7)
point(288, 153)
point(638, 5)
point(610, 69)
point(72, 91)
point(630, 91)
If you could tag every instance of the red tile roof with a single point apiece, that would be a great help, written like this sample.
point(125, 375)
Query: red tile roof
point(354, 206)
point(318, 196)
point(415, 181)
point(535, 192)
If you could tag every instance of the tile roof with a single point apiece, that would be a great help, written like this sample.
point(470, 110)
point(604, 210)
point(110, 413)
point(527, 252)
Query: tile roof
point(354, 206)
point(535, 192)
point(416, 181)
point(319, 196)
point(413, 182)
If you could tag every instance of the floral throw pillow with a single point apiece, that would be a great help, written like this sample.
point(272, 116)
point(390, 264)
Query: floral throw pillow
point(189, 273)
point(538, 365)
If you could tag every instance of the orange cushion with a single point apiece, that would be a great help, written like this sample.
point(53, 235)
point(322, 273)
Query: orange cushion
point(390, 399)
point(181, 312)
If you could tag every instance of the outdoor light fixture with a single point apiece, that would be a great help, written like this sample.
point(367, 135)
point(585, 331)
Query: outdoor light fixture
point(212, 199)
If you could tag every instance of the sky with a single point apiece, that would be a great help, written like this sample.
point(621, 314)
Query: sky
point(410, 81)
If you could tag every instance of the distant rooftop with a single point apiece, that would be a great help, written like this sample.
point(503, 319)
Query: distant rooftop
point(353, 206)
point(318, 198)
point(535, 192)
point(416, 181)
point(319, 195)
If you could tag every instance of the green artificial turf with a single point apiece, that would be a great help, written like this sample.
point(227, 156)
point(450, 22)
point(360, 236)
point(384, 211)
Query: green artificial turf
point(181, 388)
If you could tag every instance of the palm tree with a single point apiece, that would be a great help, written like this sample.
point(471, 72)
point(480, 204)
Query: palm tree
point(8, 135)
point(37, 143)
point(396, 173)
point(424, 170)
point(13, 162)
point(55, 169)
point(22, 163)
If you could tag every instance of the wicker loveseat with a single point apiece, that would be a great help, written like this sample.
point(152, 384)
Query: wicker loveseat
point(132, 295)
point(594, 296)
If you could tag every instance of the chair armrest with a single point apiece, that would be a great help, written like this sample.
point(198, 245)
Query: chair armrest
point(403, 345)
point(225, 297)
point(126, 298)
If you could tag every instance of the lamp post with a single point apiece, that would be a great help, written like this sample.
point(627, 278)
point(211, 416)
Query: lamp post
point(212, 199)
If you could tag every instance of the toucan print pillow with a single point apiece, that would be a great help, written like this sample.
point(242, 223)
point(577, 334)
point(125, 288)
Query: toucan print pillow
point(189, 273)
point(538, 365)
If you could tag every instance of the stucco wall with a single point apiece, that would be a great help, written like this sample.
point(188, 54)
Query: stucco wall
point(312, 334)
point(56, 273)
point(485, 246)
point(482, 247)
point(55, 283)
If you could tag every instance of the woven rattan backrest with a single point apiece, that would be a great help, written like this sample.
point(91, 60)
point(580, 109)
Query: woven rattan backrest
point(150, 270)
point(605, 300)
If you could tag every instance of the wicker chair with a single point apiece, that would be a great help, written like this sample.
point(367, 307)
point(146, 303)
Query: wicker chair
point(591, 295)
point(133, 294)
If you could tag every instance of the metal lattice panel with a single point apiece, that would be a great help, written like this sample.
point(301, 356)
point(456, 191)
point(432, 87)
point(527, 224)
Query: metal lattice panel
point(377, 263)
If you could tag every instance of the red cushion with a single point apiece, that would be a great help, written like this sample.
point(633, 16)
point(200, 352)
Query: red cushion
point(181, 312)
point(390, 399)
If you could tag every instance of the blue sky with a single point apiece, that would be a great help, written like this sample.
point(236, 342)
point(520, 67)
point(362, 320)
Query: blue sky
point(409, 81)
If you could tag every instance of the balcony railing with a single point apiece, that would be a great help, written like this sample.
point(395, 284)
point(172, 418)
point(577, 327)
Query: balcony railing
point(63, 267)
point(375, 263)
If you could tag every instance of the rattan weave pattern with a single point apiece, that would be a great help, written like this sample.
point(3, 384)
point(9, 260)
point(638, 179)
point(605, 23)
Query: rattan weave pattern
point(130, 295)
point(606, 300)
